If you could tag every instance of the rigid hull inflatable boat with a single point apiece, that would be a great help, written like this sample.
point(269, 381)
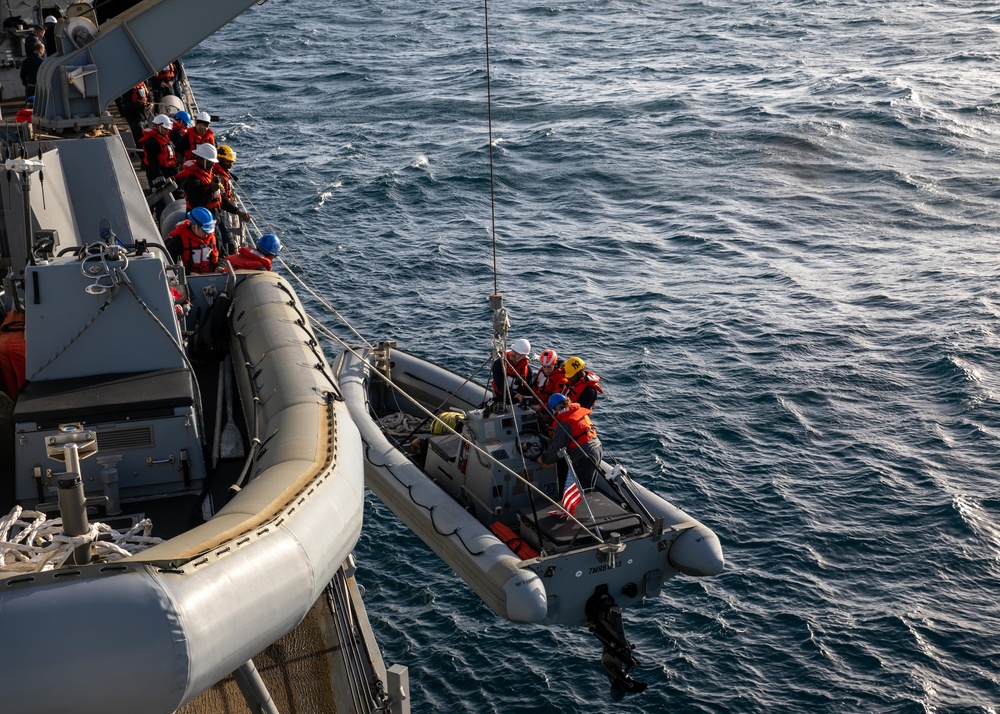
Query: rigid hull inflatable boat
point(476, 496)
point(162, 527)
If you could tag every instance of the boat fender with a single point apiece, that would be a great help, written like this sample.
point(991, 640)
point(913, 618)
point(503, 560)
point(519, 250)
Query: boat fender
point(513, 541)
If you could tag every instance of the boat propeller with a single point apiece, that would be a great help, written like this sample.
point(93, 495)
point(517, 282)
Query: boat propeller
point(605, 618)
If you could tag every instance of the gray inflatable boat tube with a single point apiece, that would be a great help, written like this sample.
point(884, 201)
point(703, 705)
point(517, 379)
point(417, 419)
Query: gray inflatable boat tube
point(149, 633)
point(471, 549)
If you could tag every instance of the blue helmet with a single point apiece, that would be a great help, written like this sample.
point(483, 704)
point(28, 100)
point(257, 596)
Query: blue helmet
point(269, 243)
point(184, 117)
point(202, 218)
point(556, 399)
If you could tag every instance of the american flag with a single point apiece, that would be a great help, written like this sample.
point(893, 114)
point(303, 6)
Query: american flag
point(571, 496)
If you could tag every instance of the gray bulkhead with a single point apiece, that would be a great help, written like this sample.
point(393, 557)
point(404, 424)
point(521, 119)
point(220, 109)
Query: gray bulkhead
point(111, 361)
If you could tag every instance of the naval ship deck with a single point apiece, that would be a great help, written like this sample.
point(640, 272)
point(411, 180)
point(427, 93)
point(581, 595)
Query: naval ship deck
point(331, 662)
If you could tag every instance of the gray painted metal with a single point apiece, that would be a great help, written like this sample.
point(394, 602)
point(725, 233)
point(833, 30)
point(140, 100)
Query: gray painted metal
point(72, 203)
point(126, 50)
point(179, 617)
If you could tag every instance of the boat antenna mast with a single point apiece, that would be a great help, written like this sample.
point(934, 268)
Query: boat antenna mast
point(501, 322)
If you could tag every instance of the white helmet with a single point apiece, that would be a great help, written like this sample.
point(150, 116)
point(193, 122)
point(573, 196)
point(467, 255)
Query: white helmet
point(521, 346)
point(163, 120)
point(203, 116)
point(50, 20)
point(207, 151)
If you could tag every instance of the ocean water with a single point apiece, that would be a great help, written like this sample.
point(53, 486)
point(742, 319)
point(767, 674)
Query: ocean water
point(769, 226)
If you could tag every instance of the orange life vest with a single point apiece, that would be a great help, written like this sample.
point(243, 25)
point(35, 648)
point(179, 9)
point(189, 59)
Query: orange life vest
point(577, 418)
point(515, 370)
point(227, 182)
point(140, 93)
point(163, 148)
point(545, 385)
point(205, 178)
point(247, 259)
point(194, 139)
point(589, 379)
point(200, 255)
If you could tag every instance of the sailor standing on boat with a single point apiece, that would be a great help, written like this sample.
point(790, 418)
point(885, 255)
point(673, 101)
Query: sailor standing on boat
point(573, 431)
point(512, 373)
point(549, 378)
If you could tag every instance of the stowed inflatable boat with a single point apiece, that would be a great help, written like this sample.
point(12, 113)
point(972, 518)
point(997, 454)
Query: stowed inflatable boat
point(476, 496)
point(158, 528)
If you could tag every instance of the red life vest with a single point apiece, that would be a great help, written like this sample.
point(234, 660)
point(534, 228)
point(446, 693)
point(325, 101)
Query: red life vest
point(581, 429)
point(139, 93)
point(162, 148)
point(248, 259)
point(545, 385)
point(227, 184)
point(166, 74)
point(200, 255)
point(519, 369)
point(213, 195)
point(194, 139)
point(589, 379)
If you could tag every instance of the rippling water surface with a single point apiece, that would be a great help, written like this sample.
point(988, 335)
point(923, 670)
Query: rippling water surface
point(769, 226)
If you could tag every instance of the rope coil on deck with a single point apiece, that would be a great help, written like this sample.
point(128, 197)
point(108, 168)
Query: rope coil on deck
point(30, 543)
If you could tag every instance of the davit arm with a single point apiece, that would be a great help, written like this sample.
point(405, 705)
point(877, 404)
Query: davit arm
point(73, 89)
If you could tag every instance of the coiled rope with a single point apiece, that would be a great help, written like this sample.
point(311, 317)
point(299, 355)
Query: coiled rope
point(30, 543)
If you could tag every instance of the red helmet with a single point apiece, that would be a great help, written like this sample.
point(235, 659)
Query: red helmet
point(548, 358)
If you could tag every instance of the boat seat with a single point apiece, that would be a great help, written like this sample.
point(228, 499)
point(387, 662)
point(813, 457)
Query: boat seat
point(559, 532)
point(104, 397)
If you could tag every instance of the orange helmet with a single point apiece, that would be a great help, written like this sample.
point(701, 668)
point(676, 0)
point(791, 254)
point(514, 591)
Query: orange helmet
point(548, 358)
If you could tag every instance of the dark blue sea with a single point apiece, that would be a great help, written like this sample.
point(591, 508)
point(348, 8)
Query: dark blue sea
point(771, 227)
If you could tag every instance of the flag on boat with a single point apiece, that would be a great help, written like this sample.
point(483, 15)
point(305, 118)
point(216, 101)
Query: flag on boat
point(571, 494)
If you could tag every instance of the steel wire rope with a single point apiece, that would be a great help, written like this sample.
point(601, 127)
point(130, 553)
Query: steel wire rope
point(489, 121)
point(314, 289)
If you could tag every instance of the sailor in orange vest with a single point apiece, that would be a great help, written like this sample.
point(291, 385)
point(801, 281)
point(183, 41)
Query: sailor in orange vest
point(258, 258)
point(581, 385)
point(165, 83)
point(512, 373)
point(573, 431)
point(223, 169)
point(135, 106)
point(159, 156)
point(193, 243)
point(199, 134)
point(549, 378)
point(178, 132)
point(201, 186)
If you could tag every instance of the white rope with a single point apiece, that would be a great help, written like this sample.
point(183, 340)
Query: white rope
point(400, 423)
point(30, 543)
